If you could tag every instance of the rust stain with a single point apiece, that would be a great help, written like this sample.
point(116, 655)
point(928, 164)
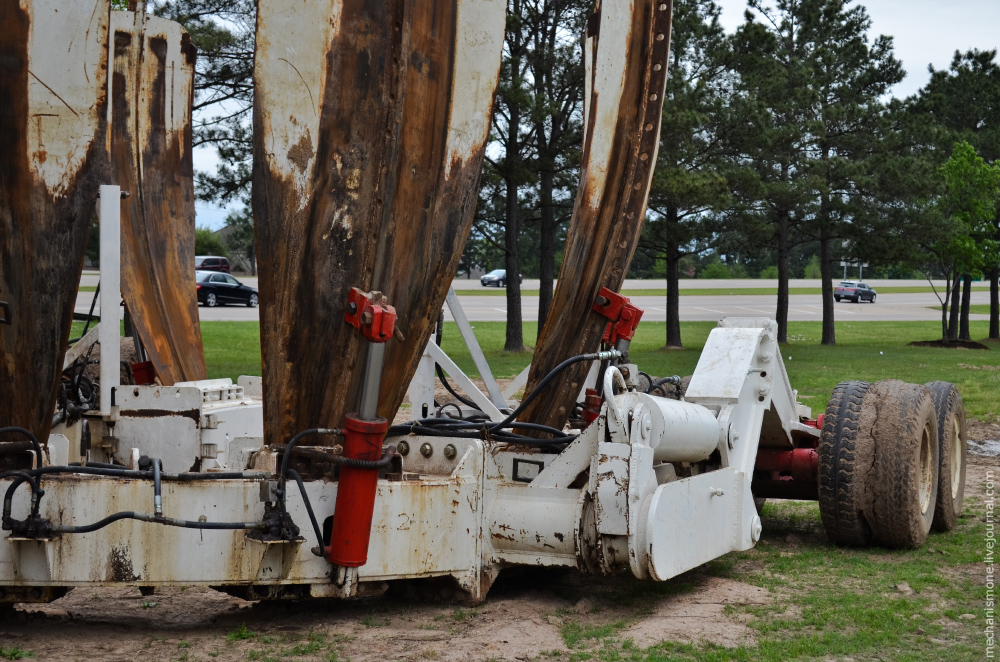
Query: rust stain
point(380, 212)
point(42, 234)
point(602, 237)
point(151, 155)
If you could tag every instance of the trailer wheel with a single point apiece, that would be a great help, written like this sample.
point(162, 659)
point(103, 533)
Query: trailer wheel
point(954, 453)
point(905, 473)
point(841, 478)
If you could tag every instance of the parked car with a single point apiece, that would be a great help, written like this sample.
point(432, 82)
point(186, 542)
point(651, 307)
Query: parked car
point(211, 263)
point(854, 291)
point(498, 277)
point(215, 289)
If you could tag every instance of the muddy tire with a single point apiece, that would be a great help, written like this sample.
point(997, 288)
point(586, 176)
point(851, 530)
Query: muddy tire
point(954, 453)
point(905, 471)
point(842, 447)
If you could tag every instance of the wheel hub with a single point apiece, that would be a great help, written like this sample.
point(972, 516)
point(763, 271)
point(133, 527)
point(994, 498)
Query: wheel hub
point(956, 457)
point(926, 470)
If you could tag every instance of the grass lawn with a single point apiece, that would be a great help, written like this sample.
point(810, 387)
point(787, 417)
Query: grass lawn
point(865, 350)
point(711, 291)
point(975, 309)
point(829, 603)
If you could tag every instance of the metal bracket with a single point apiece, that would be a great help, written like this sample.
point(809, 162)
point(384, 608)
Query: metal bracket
point(5, 318)
point(492, 388)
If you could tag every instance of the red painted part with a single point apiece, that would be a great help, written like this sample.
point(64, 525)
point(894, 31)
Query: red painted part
point(613, 309)
point(817, 423)
point(591, 406)
point(352, 516)
point(801, 463)
point(144, 373)
point(376, 321)
point(623, 315)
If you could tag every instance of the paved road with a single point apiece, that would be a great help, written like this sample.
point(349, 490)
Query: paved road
point(90, 278)
point(802, 307)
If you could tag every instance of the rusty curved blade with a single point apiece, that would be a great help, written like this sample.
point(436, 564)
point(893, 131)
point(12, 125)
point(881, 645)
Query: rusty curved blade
point(151, 94)
point(627, 49)
point(370, 126)
point(54, 158)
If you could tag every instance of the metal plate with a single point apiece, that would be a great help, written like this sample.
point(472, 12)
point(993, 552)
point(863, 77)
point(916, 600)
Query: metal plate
point(370, 125)
point(626, 54)
point(151, 90)
point(54, 157)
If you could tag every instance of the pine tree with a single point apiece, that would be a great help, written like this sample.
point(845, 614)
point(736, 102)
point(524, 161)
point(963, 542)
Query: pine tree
point(689, 182)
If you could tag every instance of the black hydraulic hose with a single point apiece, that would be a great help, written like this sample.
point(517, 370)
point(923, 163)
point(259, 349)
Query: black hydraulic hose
point(603, 356)
point(157, 488)
point(90, 315)
point(382, 463)
point(31, 437)
point(168, 521)
point(8, 499)
point(447, 386)
point(131, 473)
point(286, 458)
point(309, 509)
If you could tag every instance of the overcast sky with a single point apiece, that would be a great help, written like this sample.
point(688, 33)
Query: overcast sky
point(924, 31)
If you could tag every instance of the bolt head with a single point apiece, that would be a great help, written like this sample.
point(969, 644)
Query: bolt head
point(426, 449)
point(403, 448)
point(450, 452)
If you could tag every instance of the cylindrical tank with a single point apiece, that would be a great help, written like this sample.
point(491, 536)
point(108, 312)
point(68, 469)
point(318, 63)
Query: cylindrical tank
point(676, 431)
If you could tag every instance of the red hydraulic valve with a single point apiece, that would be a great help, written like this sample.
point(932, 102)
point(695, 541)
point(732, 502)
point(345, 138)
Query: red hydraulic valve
point(352, 516)
point(368, 312)
point(623, 315)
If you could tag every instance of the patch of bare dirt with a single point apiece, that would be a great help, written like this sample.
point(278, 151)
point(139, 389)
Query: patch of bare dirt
point(700, 615)
point(951, 344)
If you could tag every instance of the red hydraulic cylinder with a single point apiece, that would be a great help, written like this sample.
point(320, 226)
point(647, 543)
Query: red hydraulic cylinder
point(801, 463)
point(352, 516)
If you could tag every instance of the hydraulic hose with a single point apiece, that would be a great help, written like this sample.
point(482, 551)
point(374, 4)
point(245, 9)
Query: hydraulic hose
point(309, 509)
point(602, 356)
point(447, 386)
point(286, 458)
point(157, 489)
point(34, 441)
point(168, 521)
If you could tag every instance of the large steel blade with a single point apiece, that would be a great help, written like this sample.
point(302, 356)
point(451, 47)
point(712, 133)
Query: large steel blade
point(53, 157)
point(370, 125)
point(627, 49)
point(151, 91)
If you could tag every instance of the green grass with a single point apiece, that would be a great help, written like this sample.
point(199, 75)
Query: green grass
point(710, 291)
point(241, 634)
point(865, 350)
point(88, 288)
point(828, 603)
point(976, 308)
point(14, 653)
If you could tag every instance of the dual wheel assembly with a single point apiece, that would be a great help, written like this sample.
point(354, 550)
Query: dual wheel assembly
point(892, 461)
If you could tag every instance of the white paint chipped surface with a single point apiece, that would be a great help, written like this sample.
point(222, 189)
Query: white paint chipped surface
point(478, 43)
point(293, 39)
point(67, 73)
point(606, 78)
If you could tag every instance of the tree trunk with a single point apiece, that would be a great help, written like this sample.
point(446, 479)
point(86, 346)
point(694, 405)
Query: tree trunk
point(944, 311)
point(826, 273)
point(673, 259)
point(781, 315)
point(515, 333)
point(955, 304)
point(994, 276)
point(963, 331)
point(547, 252)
